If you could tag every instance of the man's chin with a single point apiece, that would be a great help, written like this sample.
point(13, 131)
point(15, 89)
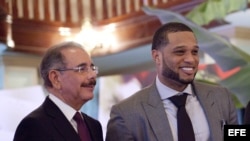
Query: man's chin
point(187, 81)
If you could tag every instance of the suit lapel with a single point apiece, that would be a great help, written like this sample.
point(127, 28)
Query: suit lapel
point(91, 127)
point(156, 115)
point(60, 122)
point(211, 109)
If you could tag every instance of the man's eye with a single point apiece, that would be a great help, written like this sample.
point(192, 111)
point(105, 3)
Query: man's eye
point(179, 52)
point(82, 68)
point(195, 52)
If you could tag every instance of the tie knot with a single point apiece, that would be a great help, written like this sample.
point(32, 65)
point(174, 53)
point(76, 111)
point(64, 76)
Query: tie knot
point(77, 117)
point(179, 100)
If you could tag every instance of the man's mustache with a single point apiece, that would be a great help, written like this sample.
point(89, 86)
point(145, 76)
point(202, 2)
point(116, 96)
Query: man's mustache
point(90, 83)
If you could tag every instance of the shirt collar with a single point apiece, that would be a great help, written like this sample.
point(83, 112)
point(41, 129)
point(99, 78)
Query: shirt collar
point(68, 111)
point(166, 92)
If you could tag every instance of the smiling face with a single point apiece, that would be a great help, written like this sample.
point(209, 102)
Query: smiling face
point(73, 86)
point(177, 62)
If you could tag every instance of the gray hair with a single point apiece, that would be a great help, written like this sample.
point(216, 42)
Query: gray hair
point(53, 59)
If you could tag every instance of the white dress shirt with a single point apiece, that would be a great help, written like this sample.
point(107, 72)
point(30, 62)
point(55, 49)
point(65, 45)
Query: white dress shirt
point(68, 111)
point(193, 107)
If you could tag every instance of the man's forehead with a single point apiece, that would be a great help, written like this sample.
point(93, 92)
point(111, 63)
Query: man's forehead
point(76, 54)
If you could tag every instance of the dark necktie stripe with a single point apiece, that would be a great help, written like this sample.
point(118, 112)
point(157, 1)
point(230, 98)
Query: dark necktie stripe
point(184, 125)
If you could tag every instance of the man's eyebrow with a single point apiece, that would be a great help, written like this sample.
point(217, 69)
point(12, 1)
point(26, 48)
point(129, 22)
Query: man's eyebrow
point(85, 64)
point(183, 46)
point(82, 64)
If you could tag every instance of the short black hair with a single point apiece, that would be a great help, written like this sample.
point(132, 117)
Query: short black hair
point(160, 37)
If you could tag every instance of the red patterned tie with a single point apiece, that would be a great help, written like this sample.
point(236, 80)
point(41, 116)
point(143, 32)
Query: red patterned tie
point(81, 128)
point(184, 125)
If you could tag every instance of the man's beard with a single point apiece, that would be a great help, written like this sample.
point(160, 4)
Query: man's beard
point(170, 74)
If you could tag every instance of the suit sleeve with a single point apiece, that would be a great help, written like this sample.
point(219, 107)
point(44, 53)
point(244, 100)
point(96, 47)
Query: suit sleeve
point(116, 128)
point(233, 118)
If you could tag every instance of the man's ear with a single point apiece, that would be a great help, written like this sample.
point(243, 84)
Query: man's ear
point(54, 77)
point(156, 56)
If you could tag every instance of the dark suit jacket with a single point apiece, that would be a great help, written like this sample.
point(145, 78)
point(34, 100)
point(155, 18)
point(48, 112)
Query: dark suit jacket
point(48, 123)
point(142, 116)
point(247, 114)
